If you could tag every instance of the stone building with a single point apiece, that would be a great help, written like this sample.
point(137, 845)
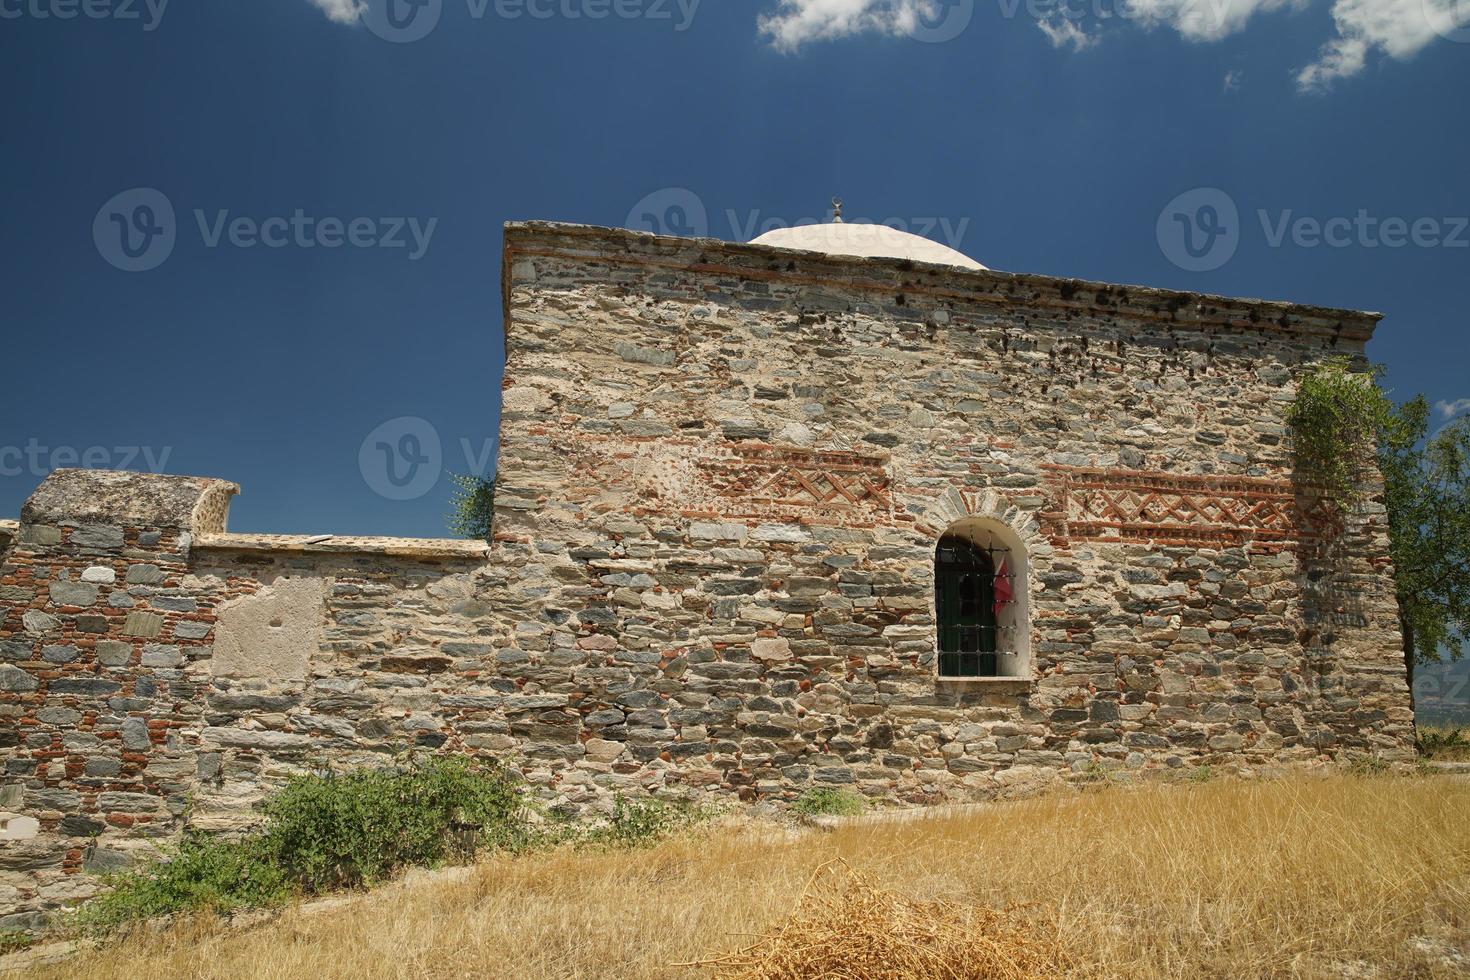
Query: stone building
point(838, 507)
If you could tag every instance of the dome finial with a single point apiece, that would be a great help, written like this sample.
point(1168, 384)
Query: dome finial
point(837, 210)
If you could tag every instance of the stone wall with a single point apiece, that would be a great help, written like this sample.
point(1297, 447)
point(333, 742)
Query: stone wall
point(734, 463)
point(157, 673)
point(723, 473)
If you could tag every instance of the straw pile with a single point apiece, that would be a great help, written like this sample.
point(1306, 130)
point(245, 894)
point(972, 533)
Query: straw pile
point(845, 927)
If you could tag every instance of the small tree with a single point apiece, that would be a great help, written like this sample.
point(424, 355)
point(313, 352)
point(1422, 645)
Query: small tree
point(472, 506)
point(1340, 420)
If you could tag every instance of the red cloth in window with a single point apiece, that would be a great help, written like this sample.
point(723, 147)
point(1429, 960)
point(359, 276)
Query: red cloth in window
point(1003, 591)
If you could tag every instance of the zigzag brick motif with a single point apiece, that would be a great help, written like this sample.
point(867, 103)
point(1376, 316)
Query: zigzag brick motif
point(767, 481)
point(1171, 508)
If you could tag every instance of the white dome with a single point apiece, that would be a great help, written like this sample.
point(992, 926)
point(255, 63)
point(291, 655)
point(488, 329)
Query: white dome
point(869, 241)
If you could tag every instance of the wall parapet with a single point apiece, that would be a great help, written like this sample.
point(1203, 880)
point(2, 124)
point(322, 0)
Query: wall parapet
point(715, 257)
point(340, 544)
point(126, 498)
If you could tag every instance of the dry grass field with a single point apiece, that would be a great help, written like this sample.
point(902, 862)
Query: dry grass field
point(1335, 876)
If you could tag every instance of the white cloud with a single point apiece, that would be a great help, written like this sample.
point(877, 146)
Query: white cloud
point(1364, 28)
point(1398, 28)
point(1201, 20)
point(342, 11)
point(1232, 80)
point(1063, 32)
point(797, 22)
point(1450, 409)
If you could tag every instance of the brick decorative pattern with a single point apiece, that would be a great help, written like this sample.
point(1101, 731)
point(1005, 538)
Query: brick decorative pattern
point(1091, 504)
point(770, 482)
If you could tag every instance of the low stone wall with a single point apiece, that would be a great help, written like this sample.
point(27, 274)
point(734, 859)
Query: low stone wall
point(156, 672)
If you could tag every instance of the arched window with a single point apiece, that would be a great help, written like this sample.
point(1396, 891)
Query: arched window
point(979, 580)
point(964, 591)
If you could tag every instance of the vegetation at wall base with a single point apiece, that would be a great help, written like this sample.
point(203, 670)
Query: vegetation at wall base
point(333, 831)
point(1444, 744)
point(830, 802)
point(345, 831)
point(1302, 875)
point(638, 823)
point(323, 832)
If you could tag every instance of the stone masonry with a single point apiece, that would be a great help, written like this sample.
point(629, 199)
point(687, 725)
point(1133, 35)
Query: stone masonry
point(723, 472)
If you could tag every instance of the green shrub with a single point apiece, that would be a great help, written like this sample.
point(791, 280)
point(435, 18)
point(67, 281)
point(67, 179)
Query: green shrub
point(642, 822)
point(323, 832)
point(1368, 765)
point(198, 874)
point(13, 941)
point(825, 801)
point(343, 831)
point(1442, 741)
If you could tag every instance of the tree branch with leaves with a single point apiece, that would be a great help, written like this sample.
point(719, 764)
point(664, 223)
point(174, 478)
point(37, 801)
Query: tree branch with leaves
point(472, 506)
point(1341, 421)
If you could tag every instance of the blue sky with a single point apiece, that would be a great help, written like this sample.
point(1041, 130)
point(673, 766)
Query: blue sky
point(1081, 141)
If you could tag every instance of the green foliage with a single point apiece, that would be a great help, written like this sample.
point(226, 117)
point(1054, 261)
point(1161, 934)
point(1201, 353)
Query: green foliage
point(1427, 492)
point(323, 832)
point(640, 823)
point(199, 874)
point(829, 802)
point(13, 941)
point(1338, 419)
point(1201, 774)
point(472, 506)
point(343, 831)
point(1368, 765)
point(1335, 419)
point(1443, 742)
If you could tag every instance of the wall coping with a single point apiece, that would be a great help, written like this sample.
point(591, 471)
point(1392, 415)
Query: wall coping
point(127, 498)
point(342, 544)
point(622, 246)
point(8, 531)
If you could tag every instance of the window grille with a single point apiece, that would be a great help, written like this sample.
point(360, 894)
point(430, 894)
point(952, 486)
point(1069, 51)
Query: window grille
point(971, 639)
